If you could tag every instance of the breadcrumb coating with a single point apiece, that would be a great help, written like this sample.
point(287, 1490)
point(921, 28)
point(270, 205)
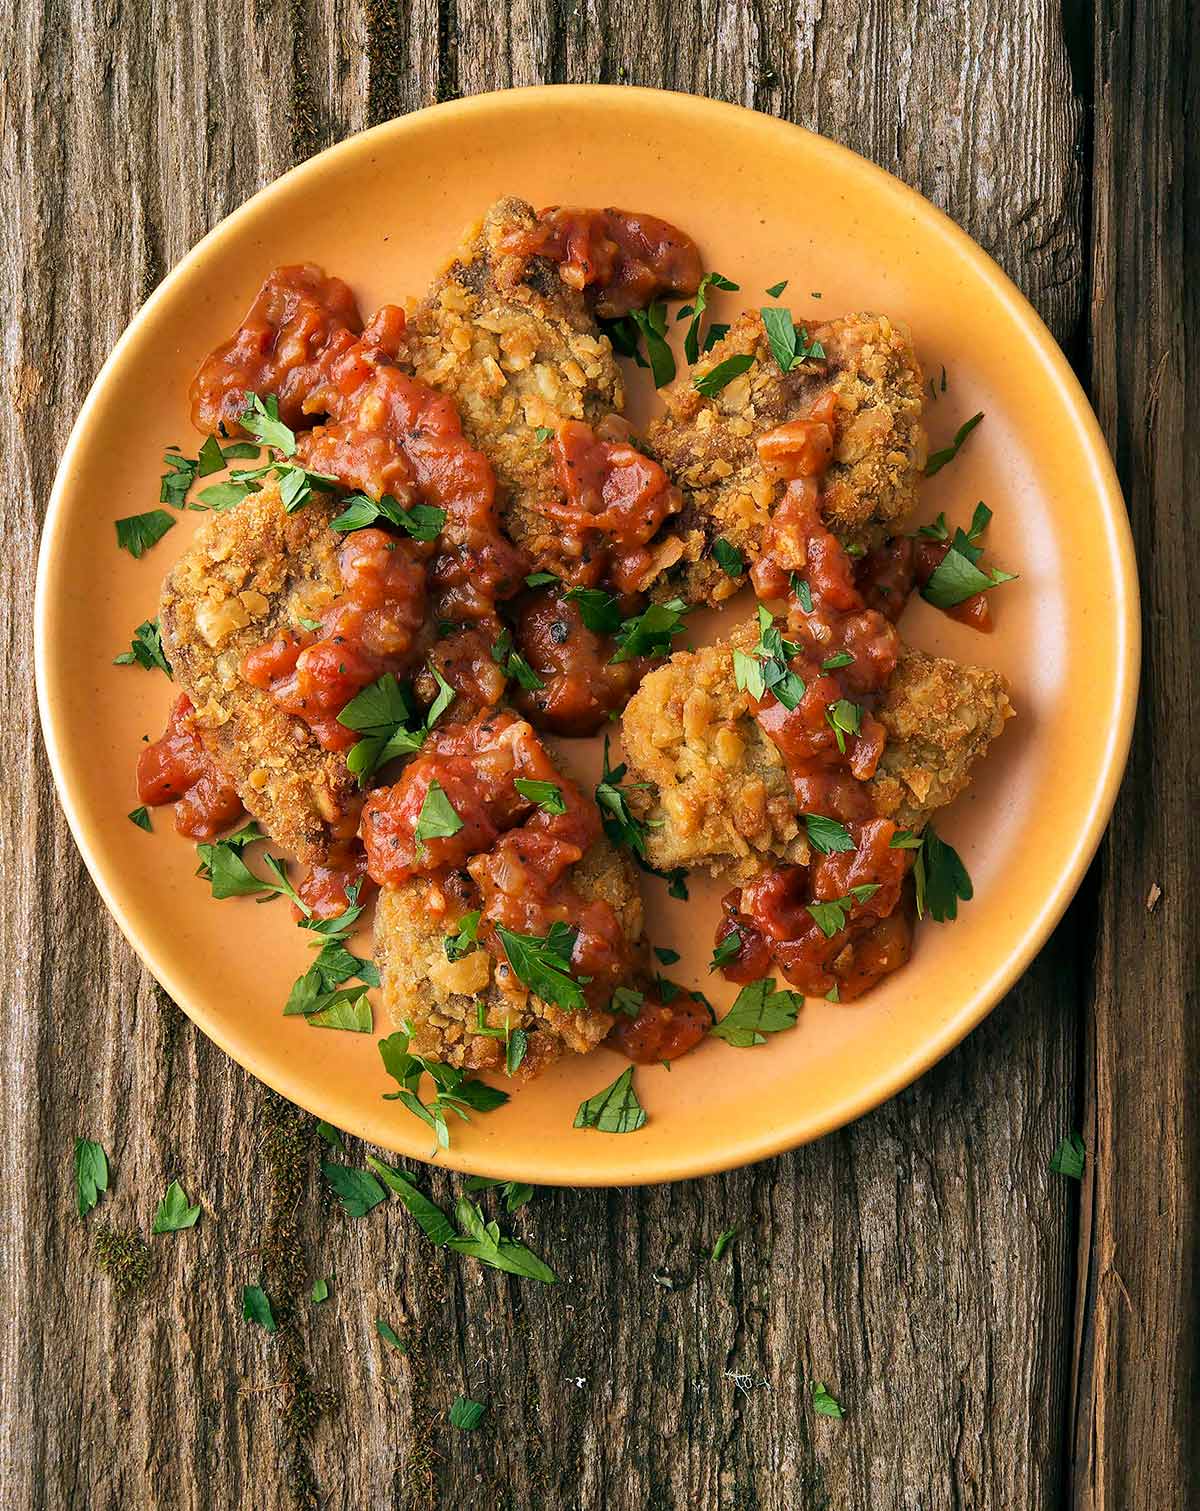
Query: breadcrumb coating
point(437, 998)
point(250, 572)
point(707, 445)
point(719, 794)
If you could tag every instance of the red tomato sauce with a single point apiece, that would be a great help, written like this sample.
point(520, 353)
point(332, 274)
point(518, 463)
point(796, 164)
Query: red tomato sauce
point(844, 650)
point(662, 1030)
point(509, 857)
point(623, 259)
point(177, 769)
point(581, 687)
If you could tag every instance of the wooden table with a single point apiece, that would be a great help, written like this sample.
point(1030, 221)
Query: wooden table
point(1000, 1336)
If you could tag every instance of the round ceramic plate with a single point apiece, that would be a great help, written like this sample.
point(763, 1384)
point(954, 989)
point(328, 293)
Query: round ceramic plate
point(384, 211)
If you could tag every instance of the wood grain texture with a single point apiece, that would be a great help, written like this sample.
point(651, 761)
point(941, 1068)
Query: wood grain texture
point(1135, 1439)
point(921, 1262)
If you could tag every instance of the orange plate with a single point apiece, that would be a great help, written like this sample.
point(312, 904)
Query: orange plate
point(384, 210)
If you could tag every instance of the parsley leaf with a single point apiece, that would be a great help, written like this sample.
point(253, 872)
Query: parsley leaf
point(598, 610)
point(229, 876)
point(256, 1307)
point(331, 1135)
point(513, 664)
point(385, 715)
point(626, 1000)
point(541, 579)
point(716, 332)
point(357, 1190)
point(726, 1238)
point(941, 879)
point(691, 341)
point(466, 1415)
point(320, 1292)
point(1070, 1157)
point(826, 834)
point(437, 818)
point(174, 1213)
point(546, 795)
point(729, 949)
point(939, 458)
point(139, 532)
point(616, 1109)
point(515, 1193)
point(174, 484)
point(421, 522)
point(652, 323)
point(823, 1403)
point(620, 825)
point(844, 718)
point(261, 419)
point(515, 1051)
point(667, 957)
point(543, 964)
point(623, 334)
point(649, 633)
point(432, 1221)
point(757, 1010)
point(455, 1090)
point(716, 378)
point(543, 433)
point(729, 558)
point(141, 817)
point(465, 941)
point(483, 1241)
point(350, 1010)
point(389, 1335)
point(831, 663)
point(776, 289)
point(91, 1174)
point(789, 346)
point(957, 578)
point(146, 649)
point(831, 917)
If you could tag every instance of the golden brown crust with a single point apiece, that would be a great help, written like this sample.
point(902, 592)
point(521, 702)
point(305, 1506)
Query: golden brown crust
point(719, 795)
point(438, 998)
point(517, 350)
point(708, 445)
point(250, 572)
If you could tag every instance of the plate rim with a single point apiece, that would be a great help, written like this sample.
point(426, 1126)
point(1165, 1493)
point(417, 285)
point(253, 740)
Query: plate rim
point(739, 1151)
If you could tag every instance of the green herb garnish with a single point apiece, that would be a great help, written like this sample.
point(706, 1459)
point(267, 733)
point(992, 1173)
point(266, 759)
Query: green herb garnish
point(543, 964)
point(649, 633)
point(691, 341)
point(616, 1109)
point(826, 834)
point(776, 289)
point(174, 1212)
point(256, 1307)
point(729, 558)
point(139, 532)
point(652, 323)
point(620, 825)
point(599, 610)
point(421, 522)
point(146, 649)
point(1070, 1157)
point(260, 418)
point(320, 1292)
point(941, 878)
point(546, 795)
point(668, 957)
point(357, 1190)
point(466, 1415)
point(141, 817)
point(823, 1403)
point(758, 1010)
point(464, 942)
point(455, 1091)
point(729, 949)
point(437, 818)
point(725, 1238)
point(831, 917)
point(789, 346)
point(389, 1335)
point(939, 458)
point(91, 1174)
point(716, 378)
point(844, 718)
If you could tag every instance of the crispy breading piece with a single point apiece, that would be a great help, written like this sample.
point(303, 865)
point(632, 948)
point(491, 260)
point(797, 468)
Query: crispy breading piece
point(707, 446)
point(250, 572)
point(719, 794)
point(517, 350)
point(438, 997)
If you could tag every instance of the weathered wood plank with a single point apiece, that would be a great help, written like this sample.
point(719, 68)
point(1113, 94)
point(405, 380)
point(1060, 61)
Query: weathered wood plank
point(1134, 1439)
point(919, 1262)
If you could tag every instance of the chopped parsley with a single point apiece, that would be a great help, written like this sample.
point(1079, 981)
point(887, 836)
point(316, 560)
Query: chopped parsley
point(826, 834)
point(541, 579)
point(667, 957)
point(726, 1238)
point(260, 418)
point(831, 917)
point(515, 1193)
point(179, 477)
point(729, 558)
point(758, 1010)
point(1070, 1157)
point(437, 818)
point(174, 1212)
point(904, 839)
point(543, 433)
point(349, 1010)
point(357, 1190)
point(421, 522)
point(430, 1217)
point(941, 878)
point(455, 1091)
point(623, 334)
point(320, 1292)
point(513, 664)
point(626, 1000)
point(483, 1241)
point(330, 1134)
point(776, 289)
point(823, 1403)
point(141, 531)
point(652, 323)
point(543, 964)
point(831, 663)
point(789, 346)
point(546, 795)
point(716, 332)
point(716, 378)
point(844, 718)
point(616, 1109)
point(691, 341)
point(766, 668)
point(222, 866)
point(91, 1174)
point(256, 1307)
point(939, 458)
point(386, 717)
point(958, 576)
point(466, 1414)
point(729, 949)
point(141, 817)
point(515, 1051)
point(802, 591)
point(598, 610)
point(389, 1335)
point(649, 633)
point(146, 649)
point(465, 941)
point(620, 825)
